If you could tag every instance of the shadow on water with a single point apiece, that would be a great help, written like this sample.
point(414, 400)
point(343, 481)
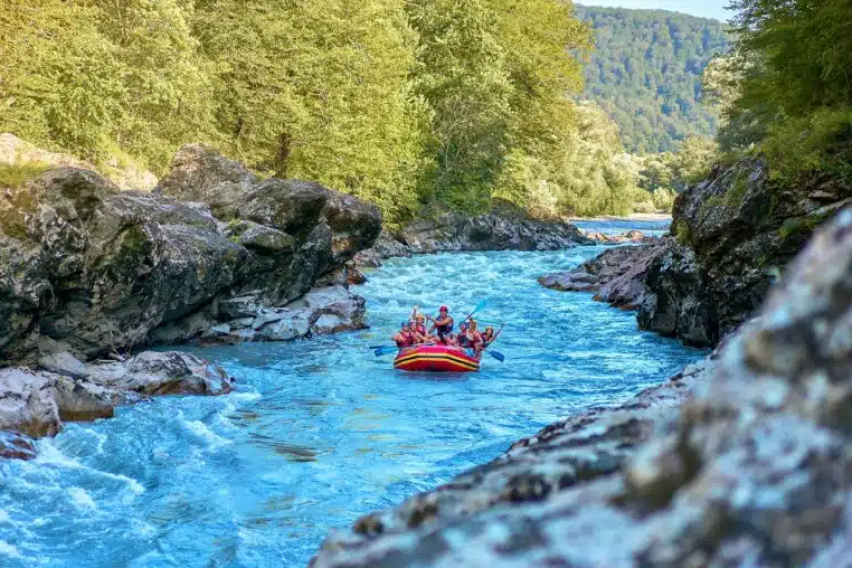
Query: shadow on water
point(321, 432)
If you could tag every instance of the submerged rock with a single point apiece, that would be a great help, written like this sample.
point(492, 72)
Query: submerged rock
point(753, 468)
point(16, 446)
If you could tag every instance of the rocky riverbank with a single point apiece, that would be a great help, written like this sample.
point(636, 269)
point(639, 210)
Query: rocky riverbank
point(453, 232)
point(754, 467)
point(99, 270)
point(91, 273)
point(732, 235)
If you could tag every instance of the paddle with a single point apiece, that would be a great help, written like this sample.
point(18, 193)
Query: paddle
point(384, 351)
point(497, 355)
point(478, 307)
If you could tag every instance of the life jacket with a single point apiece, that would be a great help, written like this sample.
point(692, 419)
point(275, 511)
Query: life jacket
point(406, 341)
point(463, 340)
point(444, 329)
point(420, 328)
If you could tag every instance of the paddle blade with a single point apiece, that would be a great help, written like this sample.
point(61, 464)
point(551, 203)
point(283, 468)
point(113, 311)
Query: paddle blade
point(497, 355)
point(384, 351)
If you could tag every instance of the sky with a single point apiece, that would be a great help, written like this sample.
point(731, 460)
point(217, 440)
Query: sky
point(706, 8)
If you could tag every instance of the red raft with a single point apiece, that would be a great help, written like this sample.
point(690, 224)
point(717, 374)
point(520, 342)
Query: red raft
point(435, 359)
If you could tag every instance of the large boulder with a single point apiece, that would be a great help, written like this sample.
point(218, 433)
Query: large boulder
point(734, 232)
point(754, 468)
point(201, 173)
point(104, 271)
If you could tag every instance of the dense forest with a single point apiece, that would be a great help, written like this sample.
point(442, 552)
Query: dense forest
point(417, 105)
point(786, 91)
point(646, 73)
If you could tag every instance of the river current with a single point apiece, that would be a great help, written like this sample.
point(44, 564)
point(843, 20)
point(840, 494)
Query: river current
point(321, 432)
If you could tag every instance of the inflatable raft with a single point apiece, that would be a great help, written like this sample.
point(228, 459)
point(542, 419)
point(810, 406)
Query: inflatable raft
point(435, 359)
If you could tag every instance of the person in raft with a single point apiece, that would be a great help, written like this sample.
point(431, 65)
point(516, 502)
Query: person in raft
point(405, 337)
point(489, 336)
point(443, 325)
point(418, 327)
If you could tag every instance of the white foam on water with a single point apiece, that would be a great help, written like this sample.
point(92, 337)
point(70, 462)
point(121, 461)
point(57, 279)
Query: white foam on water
point(51, 455)
point(4, 516)
point(9, 550)
point(247, 396)
point(82, 499)
point(201, 430)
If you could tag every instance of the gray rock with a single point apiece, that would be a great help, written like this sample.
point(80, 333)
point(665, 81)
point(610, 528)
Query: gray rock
point(200, 173)
point(328, 324)
point(64, 364)
point(456, 232)
point(241, 307)
point(264, 239)
point(241, 323)
point(267, 316)
point(618, 275)
point(221, 330)
point(734, 232)
point(162, 373)
point(242, 336)
point(295, 326)
point(28, 402)
point(105, 271)
point(183, 329)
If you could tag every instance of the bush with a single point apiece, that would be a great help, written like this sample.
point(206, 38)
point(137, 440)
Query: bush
point(15, 175)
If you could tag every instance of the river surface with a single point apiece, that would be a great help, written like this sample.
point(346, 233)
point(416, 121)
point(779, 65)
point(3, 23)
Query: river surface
point(321, 432)
point(619, 226)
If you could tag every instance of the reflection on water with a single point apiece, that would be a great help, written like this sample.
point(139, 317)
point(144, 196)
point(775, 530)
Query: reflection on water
point(321, 432)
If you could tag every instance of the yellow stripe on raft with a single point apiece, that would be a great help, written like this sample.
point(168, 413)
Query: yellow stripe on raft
point(436, 357)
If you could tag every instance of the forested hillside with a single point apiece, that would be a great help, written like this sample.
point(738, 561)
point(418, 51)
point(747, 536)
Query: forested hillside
point(646, 73)
point(416, 105)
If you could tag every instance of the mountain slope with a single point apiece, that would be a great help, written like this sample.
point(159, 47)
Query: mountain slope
point(646, 73)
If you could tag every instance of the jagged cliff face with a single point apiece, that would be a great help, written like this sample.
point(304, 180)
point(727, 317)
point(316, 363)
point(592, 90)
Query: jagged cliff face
point(97, 269)
point(731, 235)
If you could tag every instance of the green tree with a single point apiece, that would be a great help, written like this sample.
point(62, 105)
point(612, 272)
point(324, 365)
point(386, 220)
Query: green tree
point(793, 88)
point(462, 76)
point(168, 93)
point(319, 90)
point(60, 79)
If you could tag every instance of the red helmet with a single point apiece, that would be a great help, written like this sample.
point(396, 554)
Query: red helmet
point(443, 309)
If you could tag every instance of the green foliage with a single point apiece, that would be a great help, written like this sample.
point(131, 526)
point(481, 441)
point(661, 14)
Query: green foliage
point(462, 76)
point(646, 73)
point(15, 175)
point(792, 87)
point(416, 105)
point(320, 90)
point(663, 199)
point(677, 170)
